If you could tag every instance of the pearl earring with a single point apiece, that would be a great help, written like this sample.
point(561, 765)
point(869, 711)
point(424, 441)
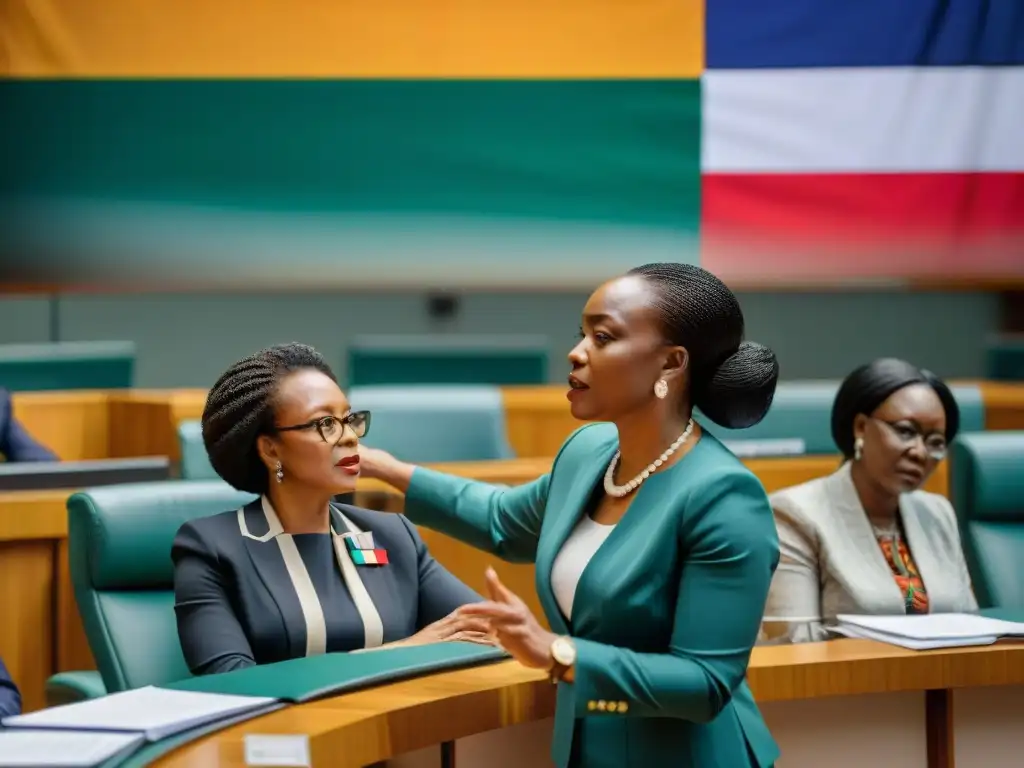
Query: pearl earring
point(660, 389)
point(858, 448)
point(280, 472)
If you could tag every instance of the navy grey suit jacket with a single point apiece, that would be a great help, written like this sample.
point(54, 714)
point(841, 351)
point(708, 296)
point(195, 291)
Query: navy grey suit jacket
point(237, 600)
point(10, 698)
point(15, 443)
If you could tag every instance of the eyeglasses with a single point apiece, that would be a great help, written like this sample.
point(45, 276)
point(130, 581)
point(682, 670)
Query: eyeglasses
point(934, 443)
point(331, 428)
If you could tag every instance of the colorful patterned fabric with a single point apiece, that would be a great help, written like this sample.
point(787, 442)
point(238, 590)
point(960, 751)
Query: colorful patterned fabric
point(906, 574)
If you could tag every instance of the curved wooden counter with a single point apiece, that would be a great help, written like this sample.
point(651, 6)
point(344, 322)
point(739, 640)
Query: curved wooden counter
point(357, 729)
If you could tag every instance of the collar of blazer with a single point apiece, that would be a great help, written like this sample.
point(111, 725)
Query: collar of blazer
point(917, 514)
point(312, 611)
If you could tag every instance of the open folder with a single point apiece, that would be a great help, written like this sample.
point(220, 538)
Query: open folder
point(934, 630)
point(153, 713)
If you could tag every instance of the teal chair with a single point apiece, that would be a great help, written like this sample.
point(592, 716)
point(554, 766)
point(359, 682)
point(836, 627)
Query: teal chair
point(987, 490)
point(195, 463)
point(424, 424)
point(67, 365)
point(802, 411)
point(1005, 358)
point(119, 541)
point(499, 360)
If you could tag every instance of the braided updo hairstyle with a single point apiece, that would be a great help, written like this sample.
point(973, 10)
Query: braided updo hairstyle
point(240, 407)
point(732, 381)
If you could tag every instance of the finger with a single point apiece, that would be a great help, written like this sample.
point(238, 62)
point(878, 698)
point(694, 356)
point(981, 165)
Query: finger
point(479, 638)
point(472, 624)
point(498, 591)
point(495, 612)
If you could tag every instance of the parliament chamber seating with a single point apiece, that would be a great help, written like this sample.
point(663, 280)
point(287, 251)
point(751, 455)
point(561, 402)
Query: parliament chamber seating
point(67, 365)
point(421, 424)
point(802, 411)
point(1005, 358)
point(987, 492)
point(500, 360)
point(119, 550)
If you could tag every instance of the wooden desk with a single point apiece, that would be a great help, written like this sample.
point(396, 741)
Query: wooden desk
point(42, 632)
point(74, 425)
point(1004, 404)
point(389, 721)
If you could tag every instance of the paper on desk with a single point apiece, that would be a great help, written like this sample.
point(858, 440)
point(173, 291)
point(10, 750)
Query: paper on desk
point(63, 749)
point(935, 630)
point(154, 712)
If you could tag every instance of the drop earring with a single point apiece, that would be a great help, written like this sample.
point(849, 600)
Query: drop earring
point(858, 448)
point(280, 473)
point(660, 389)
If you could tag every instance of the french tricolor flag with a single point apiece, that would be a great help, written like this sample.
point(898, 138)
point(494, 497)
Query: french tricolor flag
point(873, 139)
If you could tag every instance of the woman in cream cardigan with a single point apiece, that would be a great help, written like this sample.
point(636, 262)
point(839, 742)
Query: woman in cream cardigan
point(866, 539)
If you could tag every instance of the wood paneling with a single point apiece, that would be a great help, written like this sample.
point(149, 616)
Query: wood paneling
point(74, 425)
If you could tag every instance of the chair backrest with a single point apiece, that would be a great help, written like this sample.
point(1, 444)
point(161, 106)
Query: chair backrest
point(1005, 358)
point(502, 360)
point(425, 424)
point(67, 365)
point(195, 462)
point(987, 490)
point(119, 540)
point(802, 410)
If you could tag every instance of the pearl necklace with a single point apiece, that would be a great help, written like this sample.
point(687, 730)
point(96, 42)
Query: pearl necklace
point(622, 490)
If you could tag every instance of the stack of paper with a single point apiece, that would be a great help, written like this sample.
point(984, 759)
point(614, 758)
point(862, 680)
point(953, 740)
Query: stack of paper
point(74, 734)
point(27, 748)
point(936, 630)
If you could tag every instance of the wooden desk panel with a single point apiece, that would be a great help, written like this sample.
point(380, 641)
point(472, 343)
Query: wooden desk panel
point(356, 729)
point(74, 425)
point(1004, 404)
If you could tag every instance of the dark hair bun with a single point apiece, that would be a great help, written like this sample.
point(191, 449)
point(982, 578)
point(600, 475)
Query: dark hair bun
point(739, 393)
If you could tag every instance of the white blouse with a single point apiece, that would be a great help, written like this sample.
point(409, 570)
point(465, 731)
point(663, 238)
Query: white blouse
point(577, 551)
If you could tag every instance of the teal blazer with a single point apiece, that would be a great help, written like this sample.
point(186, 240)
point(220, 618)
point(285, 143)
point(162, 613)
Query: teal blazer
point(665, 614)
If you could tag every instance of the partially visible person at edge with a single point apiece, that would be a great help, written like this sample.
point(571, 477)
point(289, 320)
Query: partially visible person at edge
point(16, 444)
point(277, 579)
point(10, 697)
point(654, 545)
point(867, 539)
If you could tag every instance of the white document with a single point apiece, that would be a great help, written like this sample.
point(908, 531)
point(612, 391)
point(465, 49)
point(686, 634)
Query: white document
point(63, 749)
point(934, 630)
point(154, 712)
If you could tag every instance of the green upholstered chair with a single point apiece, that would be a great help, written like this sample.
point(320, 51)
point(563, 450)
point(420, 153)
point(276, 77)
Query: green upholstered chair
point(987, 491)
point(120, 557)
point(500, 360)
point(195, 464)
point(67, 365)
point(802, 411)
point(1005, 358)
point(424, 424)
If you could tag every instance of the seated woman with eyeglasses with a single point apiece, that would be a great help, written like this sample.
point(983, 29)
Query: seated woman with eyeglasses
point(867, 539)
point(292, 573)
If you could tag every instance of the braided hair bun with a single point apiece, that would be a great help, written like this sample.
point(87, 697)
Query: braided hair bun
point(732, 381)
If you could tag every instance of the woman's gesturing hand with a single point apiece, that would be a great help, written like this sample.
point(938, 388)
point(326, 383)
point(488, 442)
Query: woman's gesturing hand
point(515, 627)
point(381, 465)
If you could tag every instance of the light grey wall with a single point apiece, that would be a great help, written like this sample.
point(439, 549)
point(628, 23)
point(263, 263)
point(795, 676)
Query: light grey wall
point(186, 340)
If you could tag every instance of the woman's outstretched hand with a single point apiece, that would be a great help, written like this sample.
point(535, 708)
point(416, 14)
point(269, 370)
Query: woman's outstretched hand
point(381, 465)
point(514, 626)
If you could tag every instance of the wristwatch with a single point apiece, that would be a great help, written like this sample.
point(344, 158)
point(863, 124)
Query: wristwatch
point(563, 655)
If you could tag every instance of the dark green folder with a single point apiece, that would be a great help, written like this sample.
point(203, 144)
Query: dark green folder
point(299, 680)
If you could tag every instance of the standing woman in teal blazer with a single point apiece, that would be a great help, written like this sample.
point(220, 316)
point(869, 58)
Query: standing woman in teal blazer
point(654, 545)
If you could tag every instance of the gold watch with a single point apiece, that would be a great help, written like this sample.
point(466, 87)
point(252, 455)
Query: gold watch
point(563, 655)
